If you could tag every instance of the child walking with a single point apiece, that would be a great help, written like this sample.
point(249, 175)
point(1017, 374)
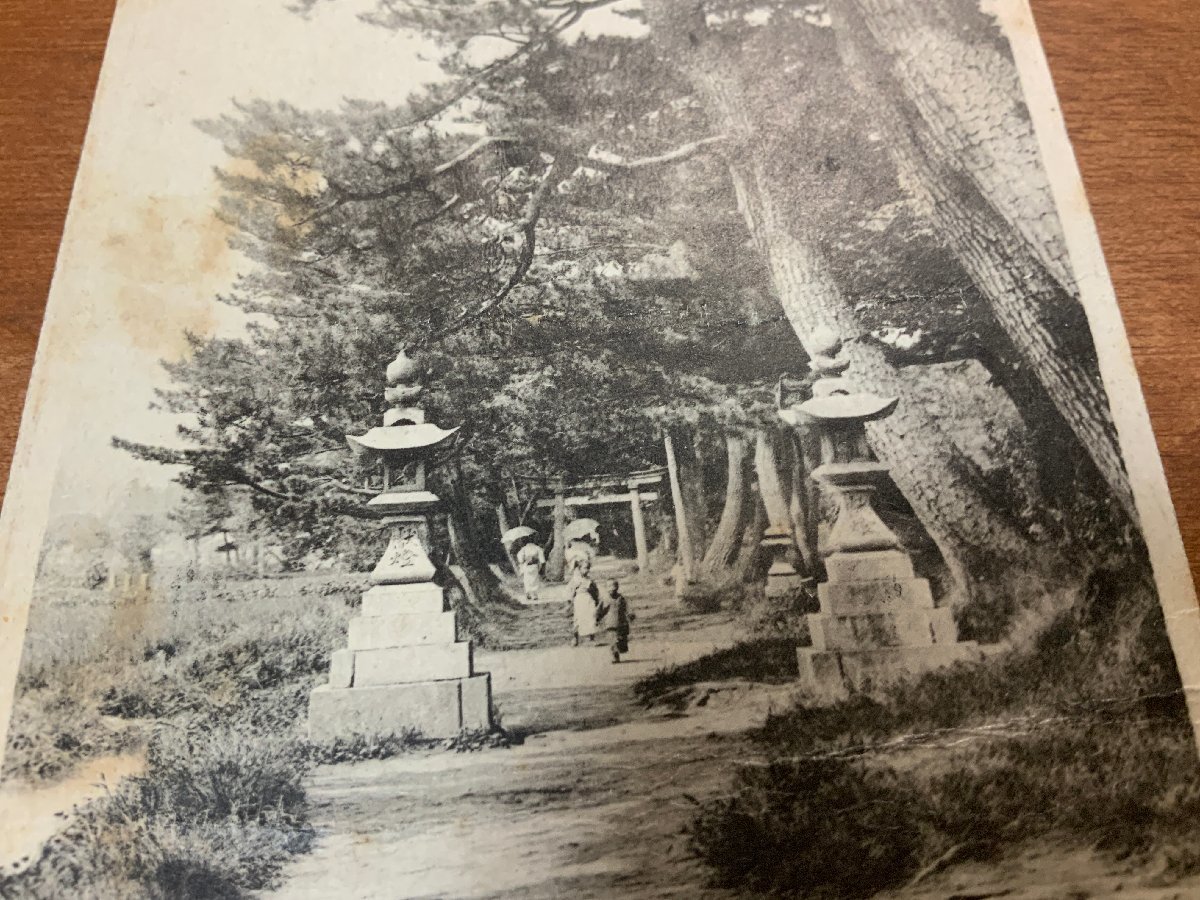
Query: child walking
point(616, 619)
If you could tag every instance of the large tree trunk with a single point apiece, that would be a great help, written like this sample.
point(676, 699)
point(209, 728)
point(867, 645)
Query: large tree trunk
point(947, 159)
point(976, 536)
point(691, 512)
point(780, 493)
point(751, 563)
point(726, 538)
point(683, 541)
point(556, 559)
point(502, 524)
point(465, 543)
point(804, 503)
point(770, 484)
point(695, 494)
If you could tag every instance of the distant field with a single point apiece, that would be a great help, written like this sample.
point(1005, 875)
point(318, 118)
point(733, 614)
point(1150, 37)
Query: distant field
point(97, 664)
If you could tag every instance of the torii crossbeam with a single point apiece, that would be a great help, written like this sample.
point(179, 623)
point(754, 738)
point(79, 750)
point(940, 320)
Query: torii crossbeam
point(597, 490)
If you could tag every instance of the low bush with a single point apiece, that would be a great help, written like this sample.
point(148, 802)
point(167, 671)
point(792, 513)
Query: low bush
point(215, 814)
point(838, 826)
point(824, 827)
point(52, 729)
point(1084, 735)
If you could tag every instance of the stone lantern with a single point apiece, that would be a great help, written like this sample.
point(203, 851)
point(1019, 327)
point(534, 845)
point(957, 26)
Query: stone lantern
point(878, 622)
point(404, 667)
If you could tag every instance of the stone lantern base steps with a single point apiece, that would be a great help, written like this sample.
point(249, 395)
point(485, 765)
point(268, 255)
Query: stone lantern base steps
point(877, 625)
point(403, 669)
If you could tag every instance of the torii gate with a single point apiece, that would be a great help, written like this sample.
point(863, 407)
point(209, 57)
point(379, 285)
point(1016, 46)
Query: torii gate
point(598, 490)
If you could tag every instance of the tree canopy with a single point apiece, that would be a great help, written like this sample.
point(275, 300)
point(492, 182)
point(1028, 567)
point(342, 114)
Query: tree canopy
point(594, 231)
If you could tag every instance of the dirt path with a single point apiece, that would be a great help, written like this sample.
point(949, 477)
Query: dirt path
point(31, 814)
point(573, 814)
point(592, 803)
point(596, 800)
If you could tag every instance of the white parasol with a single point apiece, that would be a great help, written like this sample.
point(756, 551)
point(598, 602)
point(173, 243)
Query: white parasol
point(513, 535)
point(580, 528)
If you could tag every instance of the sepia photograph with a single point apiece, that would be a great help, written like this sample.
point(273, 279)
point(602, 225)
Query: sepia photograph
point(589, 448)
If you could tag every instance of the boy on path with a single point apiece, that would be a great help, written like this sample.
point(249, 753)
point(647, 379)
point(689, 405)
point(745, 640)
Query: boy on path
point(613, 616)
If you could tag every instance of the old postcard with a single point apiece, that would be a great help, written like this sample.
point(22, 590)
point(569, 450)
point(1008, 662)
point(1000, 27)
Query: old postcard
point(588, 448)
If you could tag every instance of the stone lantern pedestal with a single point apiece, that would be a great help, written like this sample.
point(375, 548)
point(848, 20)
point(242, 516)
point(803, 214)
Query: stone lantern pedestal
point(878, 623)
point(404, 667)
point(783, 581)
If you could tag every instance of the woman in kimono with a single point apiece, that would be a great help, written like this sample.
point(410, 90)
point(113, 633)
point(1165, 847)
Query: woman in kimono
point(530, 559)
point(578, 558)
point(585, 600)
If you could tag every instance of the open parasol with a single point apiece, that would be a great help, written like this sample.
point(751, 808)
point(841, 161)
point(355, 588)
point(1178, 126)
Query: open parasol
point(580, 528)
point(513, 535)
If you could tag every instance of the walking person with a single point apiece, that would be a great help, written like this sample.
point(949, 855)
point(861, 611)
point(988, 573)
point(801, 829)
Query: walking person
point(530, 560)
point(614, 618)
point(585, 600)
point(578, 557)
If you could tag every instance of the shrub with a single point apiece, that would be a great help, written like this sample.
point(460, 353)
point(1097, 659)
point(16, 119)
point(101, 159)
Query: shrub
point(1085, 734)
point(703, 596)
point(851, 826)
point(829, 827)
point(51, 730)
point(215, 814)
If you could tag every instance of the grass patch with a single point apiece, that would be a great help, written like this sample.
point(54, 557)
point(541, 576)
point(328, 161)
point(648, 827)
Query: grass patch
point(1083, 736)
point(768, 660)
point(838, 826)
point(214, 679)
point(240, 653)
point(215, 815)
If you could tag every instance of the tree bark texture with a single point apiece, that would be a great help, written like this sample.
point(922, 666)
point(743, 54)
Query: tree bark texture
point(690, 471)
point(464, 542)
point(502, 522)
point(726, 538)
point(556, 560)
point(751, 563)
point(973, 533)
point(687, 561)
point(695, 493)
point(952, 157)
point(770, 483)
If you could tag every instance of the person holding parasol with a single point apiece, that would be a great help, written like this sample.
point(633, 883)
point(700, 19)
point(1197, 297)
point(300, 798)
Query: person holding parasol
point(530, 559)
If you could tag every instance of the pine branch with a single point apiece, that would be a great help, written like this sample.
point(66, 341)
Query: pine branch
point(604, 159)
point(207, 465)
point(528, 228)
point(568, 14)
point(416, 184)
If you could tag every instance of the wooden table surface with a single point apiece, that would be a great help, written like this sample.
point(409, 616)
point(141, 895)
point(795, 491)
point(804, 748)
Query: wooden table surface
point(1128, 76)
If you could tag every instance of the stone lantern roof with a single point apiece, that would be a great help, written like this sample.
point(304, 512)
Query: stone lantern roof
point(401, 443)
point(405, 436)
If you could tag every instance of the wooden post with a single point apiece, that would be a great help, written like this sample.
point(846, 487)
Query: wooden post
point(639, 529)
point(683, 537)
point(556, 563)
